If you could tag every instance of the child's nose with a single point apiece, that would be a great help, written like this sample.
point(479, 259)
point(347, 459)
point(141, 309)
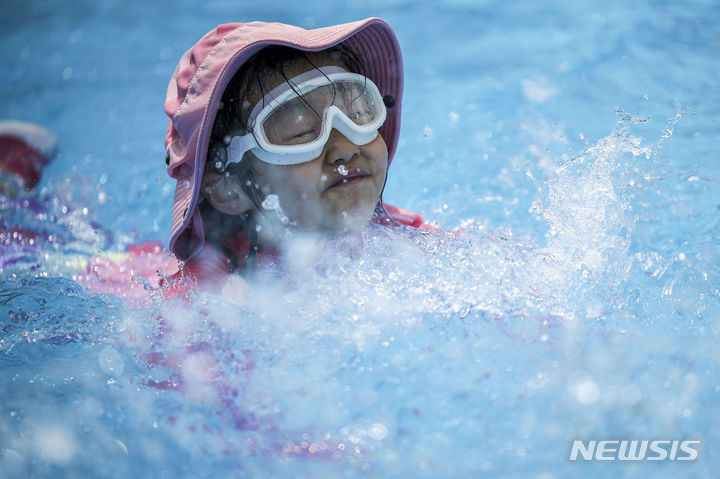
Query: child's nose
point(339, 149)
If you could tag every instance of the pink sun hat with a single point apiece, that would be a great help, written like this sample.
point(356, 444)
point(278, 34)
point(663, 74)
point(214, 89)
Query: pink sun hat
point(25, 150)
point(197, 86)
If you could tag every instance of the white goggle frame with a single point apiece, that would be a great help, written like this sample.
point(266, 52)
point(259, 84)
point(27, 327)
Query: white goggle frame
point(333, 118)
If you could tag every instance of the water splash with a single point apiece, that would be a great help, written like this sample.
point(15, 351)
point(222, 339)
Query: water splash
point(272, 203)
point(395, 353)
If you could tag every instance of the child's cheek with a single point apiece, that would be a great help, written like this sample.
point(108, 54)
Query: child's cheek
point(297, 189)
point(299, 186)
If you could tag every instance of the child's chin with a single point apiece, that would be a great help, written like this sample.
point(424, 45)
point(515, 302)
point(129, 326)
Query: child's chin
point(352, 221)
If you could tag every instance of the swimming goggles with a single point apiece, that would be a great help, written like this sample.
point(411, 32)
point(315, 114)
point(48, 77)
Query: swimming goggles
point(292, 123)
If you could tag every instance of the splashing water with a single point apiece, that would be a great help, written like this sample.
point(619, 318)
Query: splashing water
point(272, 203)
point(417, 354)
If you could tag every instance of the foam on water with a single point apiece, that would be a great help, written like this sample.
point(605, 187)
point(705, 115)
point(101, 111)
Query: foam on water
point(397, 354)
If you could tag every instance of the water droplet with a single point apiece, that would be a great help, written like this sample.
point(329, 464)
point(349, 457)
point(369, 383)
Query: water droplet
point(227, 139)
point(271, 202)
point(111, 362)
point(342, 169)
point(122, 446)
point(378, 431)
point(584, 388)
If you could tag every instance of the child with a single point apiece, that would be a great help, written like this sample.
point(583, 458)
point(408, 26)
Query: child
point(273, 127)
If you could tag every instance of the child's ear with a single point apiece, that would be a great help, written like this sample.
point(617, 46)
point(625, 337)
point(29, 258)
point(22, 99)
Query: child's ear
point(225, 193)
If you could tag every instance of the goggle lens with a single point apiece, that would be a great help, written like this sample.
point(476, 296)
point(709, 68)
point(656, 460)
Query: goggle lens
point(299, 120)
point(291, 124)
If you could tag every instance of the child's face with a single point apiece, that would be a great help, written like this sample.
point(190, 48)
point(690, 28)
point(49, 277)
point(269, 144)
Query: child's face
point(336, 191)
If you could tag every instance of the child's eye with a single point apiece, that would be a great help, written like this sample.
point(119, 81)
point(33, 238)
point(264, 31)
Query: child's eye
point(303, 136)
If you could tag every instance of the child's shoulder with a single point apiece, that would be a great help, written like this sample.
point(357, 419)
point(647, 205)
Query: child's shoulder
point(406, 217)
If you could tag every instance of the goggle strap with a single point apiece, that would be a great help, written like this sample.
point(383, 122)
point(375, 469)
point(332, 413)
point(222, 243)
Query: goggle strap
point(239, 146)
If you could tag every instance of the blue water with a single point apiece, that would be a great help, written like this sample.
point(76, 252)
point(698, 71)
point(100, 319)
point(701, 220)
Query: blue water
point(573, 148)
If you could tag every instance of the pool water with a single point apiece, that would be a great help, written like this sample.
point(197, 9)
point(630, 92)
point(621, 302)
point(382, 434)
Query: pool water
point(571, 148)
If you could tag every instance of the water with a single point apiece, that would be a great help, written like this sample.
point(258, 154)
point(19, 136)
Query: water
point(570, 147)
